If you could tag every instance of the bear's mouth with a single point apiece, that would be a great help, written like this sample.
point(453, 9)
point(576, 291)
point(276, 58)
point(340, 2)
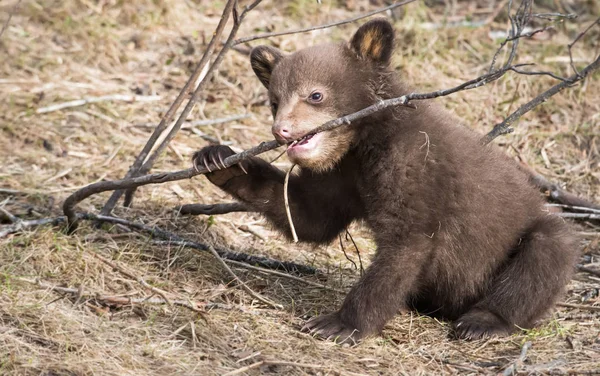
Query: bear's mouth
point(304, 145)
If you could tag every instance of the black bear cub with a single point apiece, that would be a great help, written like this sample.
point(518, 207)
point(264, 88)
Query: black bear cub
point(460, 232)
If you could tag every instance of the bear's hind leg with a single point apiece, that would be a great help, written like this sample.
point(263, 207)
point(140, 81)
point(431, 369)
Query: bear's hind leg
point(527, 285)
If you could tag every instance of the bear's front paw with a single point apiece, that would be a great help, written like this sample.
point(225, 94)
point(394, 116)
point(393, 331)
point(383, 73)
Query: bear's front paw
point(211, 158)
point(332, 328)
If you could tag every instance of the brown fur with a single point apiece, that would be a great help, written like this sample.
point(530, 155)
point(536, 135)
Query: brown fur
point(461, 233)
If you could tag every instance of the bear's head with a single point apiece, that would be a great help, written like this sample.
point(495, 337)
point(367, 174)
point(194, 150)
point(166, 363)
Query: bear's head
point(321, 83)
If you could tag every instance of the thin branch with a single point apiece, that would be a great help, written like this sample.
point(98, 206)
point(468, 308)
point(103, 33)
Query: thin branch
point(104, 98)
point(141, 281)
point(162, 126)
point(262, 270)
point(12, 218)
point(10, 14)
point(214, 209)
point(570, 45)
point(528, 73)
point(575, 208)
point(145, 168)
point(170, 238)
point(505, 126)
point(338, 23)
point(585, 216)
point(242, 283)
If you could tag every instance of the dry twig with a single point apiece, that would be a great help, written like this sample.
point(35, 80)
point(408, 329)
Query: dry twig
point(287, 204)
point(513, 368)
point(333, 24)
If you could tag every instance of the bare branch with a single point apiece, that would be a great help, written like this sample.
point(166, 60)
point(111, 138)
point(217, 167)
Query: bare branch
point(338, 23)
point(170, 238)
point(162, 126)
point(145, 168)
point(570, 45)
point(528, 73)
point(505, 126)
point(214, 209)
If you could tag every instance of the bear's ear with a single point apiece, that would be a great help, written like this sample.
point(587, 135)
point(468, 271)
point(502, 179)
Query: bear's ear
point(374, 41)
point(263, 59)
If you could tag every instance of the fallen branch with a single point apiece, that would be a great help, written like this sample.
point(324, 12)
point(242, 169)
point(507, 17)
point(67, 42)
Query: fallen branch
point(585, 269)
point(169, 237)
point(554, 193)
point(214, 209)
point(338, 23)
point(104, 98)
point(271, 271)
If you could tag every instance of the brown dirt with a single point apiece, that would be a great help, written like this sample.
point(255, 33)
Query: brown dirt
point(54, 51)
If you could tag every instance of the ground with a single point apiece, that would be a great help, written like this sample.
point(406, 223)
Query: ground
point(57, 51)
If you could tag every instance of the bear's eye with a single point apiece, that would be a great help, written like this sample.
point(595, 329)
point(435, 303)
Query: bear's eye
point(274, 107)
point(316, 97)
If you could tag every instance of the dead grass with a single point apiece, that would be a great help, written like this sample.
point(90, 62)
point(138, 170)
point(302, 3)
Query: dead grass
point(56, 51)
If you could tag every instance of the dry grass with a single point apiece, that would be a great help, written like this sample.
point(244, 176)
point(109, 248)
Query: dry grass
point(56, 51)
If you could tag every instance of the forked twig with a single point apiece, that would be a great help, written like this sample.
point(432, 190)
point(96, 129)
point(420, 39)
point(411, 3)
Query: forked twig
point(164, 122)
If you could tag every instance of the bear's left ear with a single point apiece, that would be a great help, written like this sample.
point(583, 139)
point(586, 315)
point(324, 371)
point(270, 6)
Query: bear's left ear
point(374, 41)
point(263, 59)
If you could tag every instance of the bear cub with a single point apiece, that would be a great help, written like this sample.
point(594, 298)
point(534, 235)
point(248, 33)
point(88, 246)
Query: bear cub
point(461, 234)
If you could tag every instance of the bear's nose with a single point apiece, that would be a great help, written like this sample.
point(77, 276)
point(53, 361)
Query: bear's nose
point(282, 132)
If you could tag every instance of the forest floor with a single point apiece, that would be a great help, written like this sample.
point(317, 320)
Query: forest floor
point(58, 51)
